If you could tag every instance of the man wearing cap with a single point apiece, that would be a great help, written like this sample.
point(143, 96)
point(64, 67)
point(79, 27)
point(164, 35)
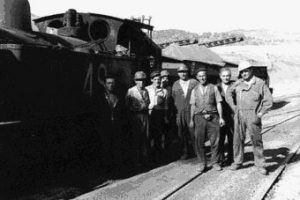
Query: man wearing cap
point(164, 74)
point(170, 127)
point(137, 102)
point(206, 118)
point(181, 93)
point(253, 99)
point(228, 115)
point(158, 114)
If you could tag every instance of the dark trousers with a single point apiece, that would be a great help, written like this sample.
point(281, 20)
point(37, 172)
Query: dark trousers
point(227, 131)
point(185, 135)
point(111, 145)
point(247, 122)
point(157, 136)
point(211, 129)
point(140, 137)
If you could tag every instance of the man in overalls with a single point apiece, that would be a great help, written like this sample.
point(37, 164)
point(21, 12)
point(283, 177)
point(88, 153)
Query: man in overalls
point(206, 117)
point(181, 93)
point(253, 99)
point(137, 102)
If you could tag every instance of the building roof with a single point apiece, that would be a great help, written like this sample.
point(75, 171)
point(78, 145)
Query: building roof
point(194, 53)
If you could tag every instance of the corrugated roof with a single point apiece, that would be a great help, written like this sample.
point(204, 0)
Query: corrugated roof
point(194, 53)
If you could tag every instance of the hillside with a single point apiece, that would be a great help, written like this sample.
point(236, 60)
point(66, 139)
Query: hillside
point(252, 37)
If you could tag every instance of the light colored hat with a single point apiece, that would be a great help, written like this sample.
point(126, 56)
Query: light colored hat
point(183, 68)
point(244, 65)
point(164, 73)
point(139, 75)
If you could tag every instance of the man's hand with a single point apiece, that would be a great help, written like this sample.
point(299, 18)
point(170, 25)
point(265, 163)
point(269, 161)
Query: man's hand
point(192, 124)
point(221, 122)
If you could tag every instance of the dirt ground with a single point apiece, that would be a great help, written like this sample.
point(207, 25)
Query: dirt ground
point(287, 187)
point(281, 129)
point(279, 138)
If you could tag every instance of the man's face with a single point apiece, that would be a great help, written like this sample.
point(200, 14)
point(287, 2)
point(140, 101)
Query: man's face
point(202, 77)
point(246, 74)
point(110, 84)
point(165, 80)
point(225, 76)
point(183, 75)
point(140, 83)
point(156, 81)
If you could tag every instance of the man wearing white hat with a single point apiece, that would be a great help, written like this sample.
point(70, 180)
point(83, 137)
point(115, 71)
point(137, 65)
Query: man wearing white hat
point(253, 99)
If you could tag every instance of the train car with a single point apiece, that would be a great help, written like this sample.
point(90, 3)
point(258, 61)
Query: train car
point(52, 103)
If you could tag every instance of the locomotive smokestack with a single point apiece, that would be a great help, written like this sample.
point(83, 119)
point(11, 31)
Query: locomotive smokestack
point(15, 14)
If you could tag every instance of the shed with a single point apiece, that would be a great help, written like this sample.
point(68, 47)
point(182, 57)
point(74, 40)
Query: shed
point(195, 57)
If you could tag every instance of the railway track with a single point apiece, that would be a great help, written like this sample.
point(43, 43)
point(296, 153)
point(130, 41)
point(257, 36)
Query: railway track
point(261, 194)
point(180, 180)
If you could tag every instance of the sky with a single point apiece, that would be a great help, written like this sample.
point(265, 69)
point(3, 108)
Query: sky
point(196, 16)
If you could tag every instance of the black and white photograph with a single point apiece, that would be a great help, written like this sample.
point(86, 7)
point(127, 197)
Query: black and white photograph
point(149, 100)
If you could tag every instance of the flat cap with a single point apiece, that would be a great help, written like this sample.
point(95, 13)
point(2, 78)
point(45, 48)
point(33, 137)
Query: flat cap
point(183, 68)
point(164, 73)
point(201, 69)
point(244, 65)
point(140, 75)
point(154, 74)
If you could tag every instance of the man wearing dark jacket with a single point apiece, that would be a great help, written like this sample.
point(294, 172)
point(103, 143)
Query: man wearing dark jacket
point(112, 143)
point(228, 115)
point(181, 93)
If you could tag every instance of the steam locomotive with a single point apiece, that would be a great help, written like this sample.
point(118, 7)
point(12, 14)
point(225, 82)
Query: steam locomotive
point(52, 100)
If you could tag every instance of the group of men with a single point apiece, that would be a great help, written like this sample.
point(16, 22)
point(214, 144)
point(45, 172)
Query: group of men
point(202, 110)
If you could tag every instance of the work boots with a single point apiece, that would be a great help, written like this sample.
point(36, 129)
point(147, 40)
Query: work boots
point(217, 167)
point(262, 170)
point(201, 168)
point(235, 167)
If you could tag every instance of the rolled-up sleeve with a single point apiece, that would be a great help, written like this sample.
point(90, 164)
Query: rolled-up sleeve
point(217, 95)
point(192, 99)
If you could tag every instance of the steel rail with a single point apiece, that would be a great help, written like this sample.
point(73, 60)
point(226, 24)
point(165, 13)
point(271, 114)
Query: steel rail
point(263, 193)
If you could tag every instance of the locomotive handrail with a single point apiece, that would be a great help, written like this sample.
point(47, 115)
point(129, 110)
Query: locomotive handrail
point(9, 123)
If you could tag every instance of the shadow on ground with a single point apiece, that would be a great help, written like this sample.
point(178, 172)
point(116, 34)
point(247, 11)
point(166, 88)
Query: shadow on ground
point(279, 104)
point(274, 158)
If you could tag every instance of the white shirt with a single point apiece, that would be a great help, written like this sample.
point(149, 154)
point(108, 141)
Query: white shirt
point(225, 87)
point(154, 94)
point(184, 85)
